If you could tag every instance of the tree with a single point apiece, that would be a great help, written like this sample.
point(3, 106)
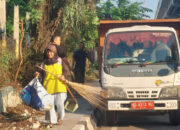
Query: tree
point(122, 10)
point(79, 24)
point(74, 20)
point(105, 9)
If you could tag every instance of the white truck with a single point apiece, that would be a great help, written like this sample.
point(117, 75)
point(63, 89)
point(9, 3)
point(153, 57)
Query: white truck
point(139, 63)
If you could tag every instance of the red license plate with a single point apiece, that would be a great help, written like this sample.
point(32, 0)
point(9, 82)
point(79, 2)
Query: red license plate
point(142, 105)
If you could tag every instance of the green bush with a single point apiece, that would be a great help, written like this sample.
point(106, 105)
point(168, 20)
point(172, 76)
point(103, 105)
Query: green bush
point(91, 72)
point(6, 58)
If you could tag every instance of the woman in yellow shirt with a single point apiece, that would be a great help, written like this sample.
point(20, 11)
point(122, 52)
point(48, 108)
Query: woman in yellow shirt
point(53, 85)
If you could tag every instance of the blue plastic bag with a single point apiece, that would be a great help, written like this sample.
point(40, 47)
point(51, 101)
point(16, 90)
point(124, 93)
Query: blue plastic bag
point(25, 96)
point(30, 97)
point(35, 95)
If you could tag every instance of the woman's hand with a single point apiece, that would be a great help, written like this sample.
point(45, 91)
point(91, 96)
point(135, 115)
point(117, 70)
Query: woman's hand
point(62, 78)
point(36, 74)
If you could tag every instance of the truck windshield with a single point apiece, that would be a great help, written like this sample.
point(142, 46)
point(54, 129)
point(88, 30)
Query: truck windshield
point(140, 47)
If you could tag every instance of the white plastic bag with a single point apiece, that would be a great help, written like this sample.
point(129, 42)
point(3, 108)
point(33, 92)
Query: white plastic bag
point(46, 98)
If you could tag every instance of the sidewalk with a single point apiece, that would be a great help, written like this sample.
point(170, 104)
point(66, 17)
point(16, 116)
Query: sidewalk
point(79, 120)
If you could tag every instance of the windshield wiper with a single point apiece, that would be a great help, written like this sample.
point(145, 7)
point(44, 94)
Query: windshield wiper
point(158, 61)
point(141, 63)
point(113, 65)
point(130, 61)
point(120, 63)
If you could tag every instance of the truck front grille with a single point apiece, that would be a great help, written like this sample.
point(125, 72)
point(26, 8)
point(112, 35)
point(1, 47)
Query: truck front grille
point(142, 94)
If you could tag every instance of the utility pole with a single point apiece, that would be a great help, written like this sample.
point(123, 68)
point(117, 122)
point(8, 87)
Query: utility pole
point(144, 3)
point(16, 30)
point(28, 38)
point(3, 23)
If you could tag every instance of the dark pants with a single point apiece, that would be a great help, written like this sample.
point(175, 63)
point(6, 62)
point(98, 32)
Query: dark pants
point(79, 74)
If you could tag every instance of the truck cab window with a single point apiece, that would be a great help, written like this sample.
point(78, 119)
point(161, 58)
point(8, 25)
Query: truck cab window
point(137, 47)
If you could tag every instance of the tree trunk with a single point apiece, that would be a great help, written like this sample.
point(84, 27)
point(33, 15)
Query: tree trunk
point(20, 51)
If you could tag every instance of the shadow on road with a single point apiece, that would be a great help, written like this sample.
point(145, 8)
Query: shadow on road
point(84, 106)
point(139, 122)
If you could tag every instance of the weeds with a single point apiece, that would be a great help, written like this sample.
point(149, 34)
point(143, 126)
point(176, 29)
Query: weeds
point(6, 57)
point(91, 71)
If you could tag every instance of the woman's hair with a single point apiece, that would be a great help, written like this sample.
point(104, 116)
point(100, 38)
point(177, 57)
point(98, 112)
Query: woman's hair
point(52, 48)
point(53, 60)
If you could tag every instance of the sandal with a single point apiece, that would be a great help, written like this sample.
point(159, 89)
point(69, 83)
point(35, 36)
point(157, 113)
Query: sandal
point(50, 125)
point(59, 122)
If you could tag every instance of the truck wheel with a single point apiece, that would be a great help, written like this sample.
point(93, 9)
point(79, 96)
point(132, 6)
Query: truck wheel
point(98, 116)
point(110, 117)
point(174, 117)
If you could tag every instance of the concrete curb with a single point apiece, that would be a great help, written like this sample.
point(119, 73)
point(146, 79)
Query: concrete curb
point(85, 123)
point(79, 127)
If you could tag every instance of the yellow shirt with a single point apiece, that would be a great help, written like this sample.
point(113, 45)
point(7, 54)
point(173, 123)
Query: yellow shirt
point(51, 83)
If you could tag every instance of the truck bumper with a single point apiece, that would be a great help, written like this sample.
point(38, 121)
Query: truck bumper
point(126, 105)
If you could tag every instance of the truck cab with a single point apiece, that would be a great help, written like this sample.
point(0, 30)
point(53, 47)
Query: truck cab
point(140, 70)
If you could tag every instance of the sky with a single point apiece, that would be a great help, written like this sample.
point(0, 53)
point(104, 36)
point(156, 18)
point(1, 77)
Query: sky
point(152, 4)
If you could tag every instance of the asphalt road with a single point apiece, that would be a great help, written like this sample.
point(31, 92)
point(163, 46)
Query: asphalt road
point(142, 122)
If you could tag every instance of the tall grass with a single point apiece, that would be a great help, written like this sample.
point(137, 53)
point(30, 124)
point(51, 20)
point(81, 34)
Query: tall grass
point(6, 66)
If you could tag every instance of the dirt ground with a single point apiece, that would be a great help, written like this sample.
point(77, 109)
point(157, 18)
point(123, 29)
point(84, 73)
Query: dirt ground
point(21, 117)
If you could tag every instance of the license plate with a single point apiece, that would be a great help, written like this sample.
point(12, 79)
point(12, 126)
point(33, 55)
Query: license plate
point(142, 105)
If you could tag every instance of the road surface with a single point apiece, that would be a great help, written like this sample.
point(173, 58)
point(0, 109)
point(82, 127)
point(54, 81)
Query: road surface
point(132, 122)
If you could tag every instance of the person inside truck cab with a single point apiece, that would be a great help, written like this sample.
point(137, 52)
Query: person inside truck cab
point(112, 51)
point(161, 52)
point(173, 46)
point(123, 50)
point(137, 48)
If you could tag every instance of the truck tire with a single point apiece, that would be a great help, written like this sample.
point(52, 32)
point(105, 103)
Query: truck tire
point(110, 117)
point(98, 117)
point(174, 117)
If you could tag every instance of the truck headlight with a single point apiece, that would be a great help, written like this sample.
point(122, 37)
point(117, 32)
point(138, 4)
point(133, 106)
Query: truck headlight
point(169, 92)
point(115, 93)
